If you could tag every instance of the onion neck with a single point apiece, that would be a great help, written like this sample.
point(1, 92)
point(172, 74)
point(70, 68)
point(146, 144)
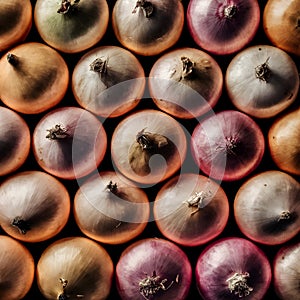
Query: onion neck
point(12, 59)
point(238, 285)
point(230, 145)
point(230, 11)
point(146, 7)
point(149, 141)
point(263, 72)
point(187, 67)
point(112, 187)
point(67, 6)
point(99, 66)
point(21, 224)
point(57, 133)
point(285, 215)
point(197, 200)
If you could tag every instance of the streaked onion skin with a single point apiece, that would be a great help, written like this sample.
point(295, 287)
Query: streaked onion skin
point(69, 142)
point(71, 26)
point(281, 24)
point(186, 82)
point(108, 81)
point(34, 206)
point(153, 266)
point(262, 81)
point(15, 22)
point(148, 27)
point(110, 209)
point(14, 141)
point(191, 209)
point(228, 145)
point(267, 207)
point(16, 269)
point(74, 267)
point(233, 268)
point(33, 78)
point(223, 27)
point(284, 142)
point(286, 270)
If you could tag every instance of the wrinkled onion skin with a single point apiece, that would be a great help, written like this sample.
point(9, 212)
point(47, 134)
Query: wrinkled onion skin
point(221, 259)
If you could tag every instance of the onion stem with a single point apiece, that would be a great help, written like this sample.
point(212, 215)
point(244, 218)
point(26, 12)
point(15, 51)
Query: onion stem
point(187, 66)
point(237, 284)
point(57, 133)
point(66, 5)
point(145, 6)
point(112, 187)
point(21, 224)
point(230, 11)
point(263, 71)
point(12, 59)
point(285, 215)
point(99, 66)
point(149, 141)
point(197, 200)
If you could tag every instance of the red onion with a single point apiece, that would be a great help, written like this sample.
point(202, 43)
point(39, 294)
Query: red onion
point(233, 268)
point(191, 209)
point(223, 26)
point(267, 207)
point(153, 269)
point(186, 82)
point(227, 146)
point(287, 272)
point(69, 142)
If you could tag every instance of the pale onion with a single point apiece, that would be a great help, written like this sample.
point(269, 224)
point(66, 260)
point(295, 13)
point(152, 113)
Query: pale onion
point(108, 81)
point(74, 268)
point(262, 81)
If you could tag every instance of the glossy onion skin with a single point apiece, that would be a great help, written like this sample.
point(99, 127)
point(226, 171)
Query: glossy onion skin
point(182, 91)
point(108, 216)
point(286, 270)
point(14, 140)
point(116, 88)
point(76, 155)
point(281, 24)
point(16, 269)
point(85, 265)
point(222, 259)
point(228, 145)
point(284, 142)
point(267, 208)
point(78, 29)
point(259, 97)
point(36, 198)
point(146, 256)
point(148, 35)
point(218, 34)
point(154, 122)
point(37, 82)
point(187, 224)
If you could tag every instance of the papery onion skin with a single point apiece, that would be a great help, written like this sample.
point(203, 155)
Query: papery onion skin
point(228, 145)
point(16, 269)
point(221, 265)
point(186, 82)
point(69, 142)
point(14, 141)
point(108, 81)
point(286, 270)
point(75, 30)
point(191, 209)
point(34, 206)
point(74, 267)
point(148, 30)
point(154, 258)
point(267, 208)
point(110, 209)
point(281, 24)
point(223, 27)
point(262, 81)
point(284, 142)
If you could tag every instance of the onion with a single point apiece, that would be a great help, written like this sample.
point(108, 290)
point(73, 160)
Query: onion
point(148, 27)
point(108, 81)
point(14, 141)
point(71, 26)
point(287, 271)
point(233, 268)
point(227, 146)
point(15, 22)
point(69, 142)
point(186, 82)
point(262, 81)
point(74, 268)
point(33, 78)
point(16, 269)
point(267, 207)
point(110, 209)
point(284, 142)
point(148, 146)
point(281, 24)
point(34, 206)
point(153, 269)
point(191, 209)
point(223, 27)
